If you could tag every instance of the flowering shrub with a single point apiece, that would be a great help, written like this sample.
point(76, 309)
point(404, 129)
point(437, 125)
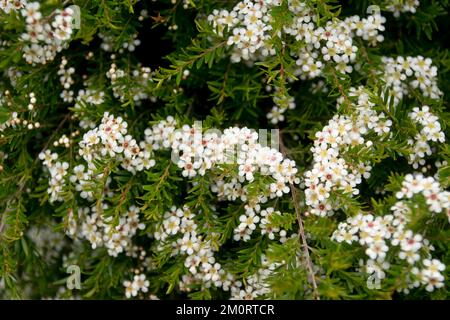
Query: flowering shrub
point(276, 149)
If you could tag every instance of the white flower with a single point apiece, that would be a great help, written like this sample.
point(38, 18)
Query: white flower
point(172, 225)
point(433, 267)
point(247, 170)
point(189, 244)
point(377, 250)
point(140, 283)
point(278, 188)
point(248, 220)
point(411, 242)
point(347, 236)
point(434, 282)
point(411, 256)
point(130, 290)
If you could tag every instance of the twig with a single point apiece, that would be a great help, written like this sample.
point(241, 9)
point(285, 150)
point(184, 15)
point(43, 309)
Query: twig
point(161, 77)
point(339, 87)
point(301, 230)
point(224, 84)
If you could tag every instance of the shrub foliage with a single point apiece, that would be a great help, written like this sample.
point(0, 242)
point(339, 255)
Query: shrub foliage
point(206, 149)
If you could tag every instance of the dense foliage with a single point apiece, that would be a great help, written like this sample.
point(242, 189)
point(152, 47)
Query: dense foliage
point(205, 149)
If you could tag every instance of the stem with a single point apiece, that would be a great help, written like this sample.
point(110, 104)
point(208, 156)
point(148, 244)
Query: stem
point(301, 230)
point(339, 87)
point(161, 77)
point(224, 84)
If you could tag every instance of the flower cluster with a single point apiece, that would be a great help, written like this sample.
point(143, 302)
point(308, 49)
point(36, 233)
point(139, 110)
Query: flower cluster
point(331, 171)
point(8, 5)
point(283, 102)
point(180, 232)
point(33, 101)
point(249, 24)
point(101, 230)
point(14, 120)
point(436, 199)
point(131, 44)
point(403, 74)
point(107, 141)
point(256, 285)
point(249, 221)
point(430, 131)
point(108, 43)
point(196, 153)
point(139, 283)
point(332, 43)
point(110, 139)
point(121, 88)
point(43, 40)
point(57, 171)
point(401, 6)
point(66, 141)
point(384, 234)
point(66, 80)
point(199, 153)
point(269, 227)
point(381, 235)
point(87, 97)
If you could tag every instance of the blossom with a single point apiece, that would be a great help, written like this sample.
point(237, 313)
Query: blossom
point(330, 170)
point(130, 290)
point(250, 34)
point(402, 6)
point(249, 221)
point(382, 234)
point(404, 73)
point(377, 250)
point(8, 5)
point(436, 198)
point(430, 132)
point(433, 267)
point(139, 284)
point(44, 39)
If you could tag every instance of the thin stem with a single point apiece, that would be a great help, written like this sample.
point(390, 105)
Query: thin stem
point(339, 87)
point(301, 230)
point(161, 76)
